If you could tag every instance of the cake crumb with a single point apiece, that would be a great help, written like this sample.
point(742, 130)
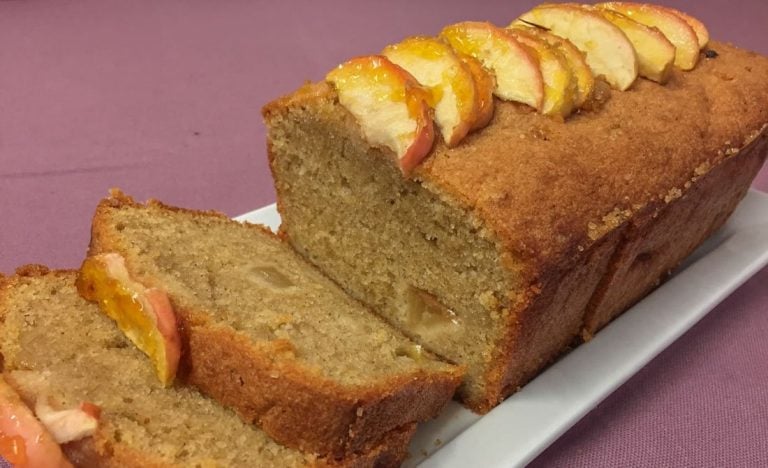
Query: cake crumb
point(702, 168)
point(673, 194)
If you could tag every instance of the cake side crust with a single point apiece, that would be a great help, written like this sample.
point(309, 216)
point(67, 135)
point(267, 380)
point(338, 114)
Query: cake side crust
point(653, 246)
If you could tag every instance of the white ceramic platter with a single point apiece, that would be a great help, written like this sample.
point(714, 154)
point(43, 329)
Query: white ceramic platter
point(527, 422)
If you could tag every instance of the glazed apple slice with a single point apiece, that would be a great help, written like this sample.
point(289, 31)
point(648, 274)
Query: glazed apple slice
point(435, 66)
point(390, 106)
point(24, 441)
point(484, 86)
point(608, 51)
point(67, 425)
point(517, 72)
point(655, 53)
point(559, 82)
point(585, 79)
point(702, 34)
point(145, 315)
point(675, 28)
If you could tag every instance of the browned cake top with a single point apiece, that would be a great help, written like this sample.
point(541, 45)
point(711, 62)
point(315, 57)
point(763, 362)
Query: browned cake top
point(549, 189)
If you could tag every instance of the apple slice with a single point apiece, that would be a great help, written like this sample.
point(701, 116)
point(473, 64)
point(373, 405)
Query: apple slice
point(517, 72)
point(559, 82)
point(608, 51)
point(702, 34)
point(585, 79)
point(144, 315)
point(655, 53)
point(677, 30)
point(390, 106)
point(67, 425)
point(436, 67)
point(484, 86)
point(24, 441)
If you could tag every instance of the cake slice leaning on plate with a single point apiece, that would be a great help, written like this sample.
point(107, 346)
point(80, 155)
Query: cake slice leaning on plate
point(260, 330)
point(60, 353)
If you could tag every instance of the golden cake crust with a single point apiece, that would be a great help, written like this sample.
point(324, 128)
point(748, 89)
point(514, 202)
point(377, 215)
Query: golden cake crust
point(549, 189)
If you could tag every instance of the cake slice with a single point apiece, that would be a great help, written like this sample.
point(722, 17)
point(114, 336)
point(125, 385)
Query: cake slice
point(56, 345)
point(264, 332)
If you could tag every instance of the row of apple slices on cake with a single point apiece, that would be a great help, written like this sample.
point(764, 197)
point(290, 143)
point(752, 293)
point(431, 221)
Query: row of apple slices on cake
point(548, 59)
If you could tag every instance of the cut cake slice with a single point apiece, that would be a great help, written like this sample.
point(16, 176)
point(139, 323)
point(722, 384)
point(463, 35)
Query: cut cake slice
point(267, 334)
point(56, 345)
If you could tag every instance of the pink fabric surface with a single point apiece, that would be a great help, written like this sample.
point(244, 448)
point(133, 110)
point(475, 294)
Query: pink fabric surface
point(162, 99)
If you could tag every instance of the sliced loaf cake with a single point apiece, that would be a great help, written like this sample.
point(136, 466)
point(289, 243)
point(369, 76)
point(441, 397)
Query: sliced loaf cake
point(264, 332)
point(56, 345)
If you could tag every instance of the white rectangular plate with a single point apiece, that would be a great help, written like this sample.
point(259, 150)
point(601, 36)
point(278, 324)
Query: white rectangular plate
point(527, 422)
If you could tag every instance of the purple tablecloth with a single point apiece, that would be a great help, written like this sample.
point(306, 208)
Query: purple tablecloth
point(162, 99)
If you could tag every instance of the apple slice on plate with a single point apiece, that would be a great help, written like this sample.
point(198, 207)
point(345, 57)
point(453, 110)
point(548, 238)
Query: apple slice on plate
point(559, 82)
point(437, 67)
point(655, 53)
point(517, 72)
point(485, 84)
point(608, 51)
point(677, 30)
point(390, 106)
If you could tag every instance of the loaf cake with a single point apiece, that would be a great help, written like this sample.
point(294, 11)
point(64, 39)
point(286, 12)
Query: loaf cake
point(508, 247)
point(56, 345)
point(264, 332)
